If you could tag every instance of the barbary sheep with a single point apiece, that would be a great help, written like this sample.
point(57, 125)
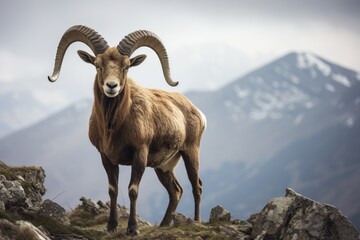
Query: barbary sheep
point(135, 126)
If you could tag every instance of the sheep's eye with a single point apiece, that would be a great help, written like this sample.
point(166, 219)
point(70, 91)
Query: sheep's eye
point(126, 68)
point(96, 65)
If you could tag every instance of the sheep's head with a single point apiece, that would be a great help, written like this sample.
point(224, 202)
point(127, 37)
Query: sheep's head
point(111, 63)
point(112, 68)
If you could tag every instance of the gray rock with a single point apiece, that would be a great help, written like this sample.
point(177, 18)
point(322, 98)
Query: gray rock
point(34, 178)
point(298, 217)
point(181, 219)
point(103, 205)
point(24, 188)
point(218, 213)
point(90, 206)
point(12, 194)
point(243, 226)
point(54, 211)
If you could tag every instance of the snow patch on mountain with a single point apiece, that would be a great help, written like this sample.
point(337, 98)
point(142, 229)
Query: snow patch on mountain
point(285, 71)
point(341, 79)
point(273, 102)
point(308, 61)
point(240, 92)
point(329, 87)
point(299, 118)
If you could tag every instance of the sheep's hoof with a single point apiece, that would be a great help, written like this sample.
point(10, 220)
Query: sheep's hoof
point(111, 227)
point(132, 231)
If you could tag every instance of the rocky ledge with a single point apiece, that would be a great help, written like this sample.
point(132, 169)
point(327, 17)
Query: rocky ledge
point(24, 215)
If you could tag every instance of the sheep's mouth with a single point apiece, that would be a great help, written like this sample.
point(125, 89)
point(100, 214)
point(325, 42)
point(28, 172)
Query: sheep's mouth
point(112, 92)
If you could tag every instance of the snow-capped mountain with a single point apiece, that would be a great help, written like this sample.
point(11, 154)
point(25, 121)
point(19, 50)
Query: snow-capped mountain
point(262, 133)
point(288, 99)
point(295, 83)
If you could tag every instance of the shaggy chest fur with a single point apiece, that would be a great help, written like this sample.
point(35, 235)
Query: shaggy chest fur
point(162, 146)
point(164, 138)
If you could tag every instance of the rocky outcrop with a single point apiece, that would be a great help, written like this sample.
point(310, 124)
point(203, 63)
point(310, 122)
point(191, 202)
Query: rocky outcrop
point(293, 217)
point(21, 186)
point(218, 213)
point(297, 217)
point(23, 215)
point(54, 211)
point(12, 194)
point(180, 219)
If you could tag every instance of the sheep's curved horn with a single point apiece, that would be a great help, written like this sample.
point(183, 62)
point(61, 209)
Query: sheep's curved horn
point(142, 38)
point(77, 33)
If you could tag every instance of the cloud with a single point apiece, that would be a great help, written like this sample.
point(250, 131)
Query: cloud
point(50, 98)
point(19, 67)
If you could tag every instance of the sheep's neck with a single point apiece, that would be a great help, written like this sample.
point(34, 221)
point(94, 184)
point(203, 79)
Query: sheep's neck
point(113, 110)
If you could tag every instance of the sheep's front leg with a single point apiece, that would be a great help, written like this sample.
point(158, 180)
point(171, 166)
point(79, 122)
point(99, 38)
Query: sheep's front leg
point(137, 170)
point(112, 172)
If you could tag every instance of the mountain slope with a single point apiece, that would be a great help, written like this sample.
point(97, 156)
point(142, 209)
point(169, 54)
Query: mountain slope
point(283, 101)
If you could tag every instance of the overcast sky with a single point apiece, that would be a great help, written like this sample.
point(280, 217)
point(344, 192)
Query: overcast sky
point(209, 43)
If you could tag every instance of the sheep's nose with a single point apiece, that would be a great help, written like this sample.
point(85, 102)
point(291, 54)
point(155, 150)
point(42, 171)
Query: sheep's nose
point(111, 84)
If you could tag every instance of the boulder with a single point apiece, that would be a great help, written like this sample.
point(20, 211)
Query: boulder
point(12, 194)
point(54, 211)
point(218, 213)
point(92, 207)
point(34, 178)
point(181, 219)
point(297, 217)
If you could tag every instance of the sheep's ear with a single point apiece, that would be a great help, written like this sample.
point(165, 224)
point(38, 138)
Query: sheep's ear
point(137, 60)
point(86, 57)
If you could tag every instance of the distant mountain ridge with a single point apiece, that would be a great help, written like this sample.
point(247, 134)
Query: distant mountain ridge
point(285, 100)
point(255, 123)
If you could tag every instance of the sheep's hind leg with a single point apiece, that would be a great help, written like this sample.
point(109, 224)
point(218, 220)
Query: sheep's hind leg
point(191, 160)
point(173, 187)
point(112, 172)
